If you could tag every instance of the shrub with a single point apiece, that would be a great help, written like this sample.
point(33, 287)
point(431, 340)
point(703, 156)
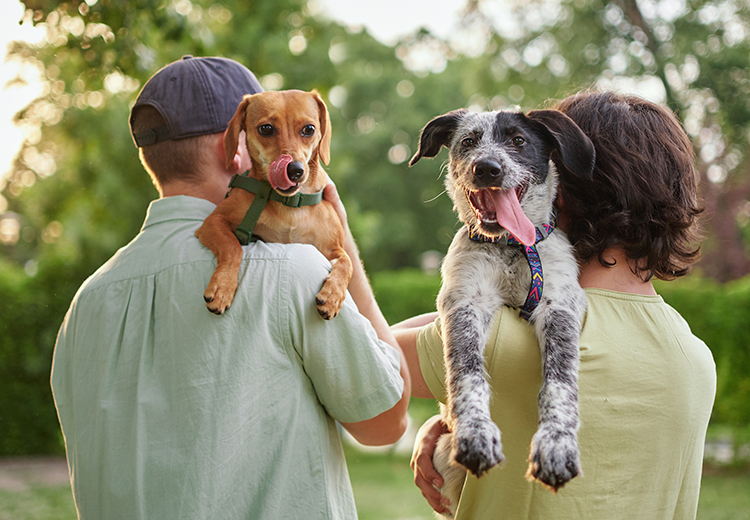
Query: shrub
point(32, 309)
point(405, 293)
point(719, 315)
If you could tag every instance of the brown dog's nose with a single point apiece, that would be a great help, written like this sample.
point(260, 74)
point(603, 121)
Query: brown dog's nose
point(295, 170)
point(487, 169)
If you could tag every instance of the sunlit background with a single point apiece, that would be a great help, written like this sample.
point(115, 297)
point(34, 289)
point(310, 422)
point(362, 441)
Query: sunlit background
point(426, 36)
point(23, 83)
point(13, 97)
point(438, 16)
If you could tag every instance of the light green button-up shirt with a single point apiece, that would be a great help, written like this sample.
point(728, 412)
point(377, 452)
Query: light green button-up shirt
point(171, 412)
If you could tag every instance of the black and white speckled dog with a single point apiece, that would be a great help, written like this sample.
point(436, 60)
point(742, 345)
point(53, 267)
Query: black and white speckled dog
point(502, 178)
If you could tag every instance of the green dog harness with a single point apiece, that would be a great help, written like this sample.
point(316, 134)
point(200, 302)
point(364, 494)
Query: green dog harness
point(263, 193)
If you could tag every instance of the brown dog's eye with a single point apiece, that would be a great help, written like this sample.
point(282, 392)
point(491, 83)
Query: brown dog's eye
point(265, 130)
point(519, 141)
point(308, 130)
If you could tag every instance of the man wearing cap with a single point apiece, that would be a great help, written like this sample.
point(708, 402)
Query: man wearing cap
point(169, 411)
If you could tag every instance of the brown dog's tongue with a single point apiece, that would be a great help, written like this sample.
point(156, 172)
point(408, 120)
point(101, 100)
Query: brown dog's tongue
point(511, 216)
point(277, 173)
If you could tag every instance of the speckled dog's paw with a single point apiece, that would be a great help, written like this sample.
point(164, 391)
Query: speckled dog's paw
point(554, 460)
point(477, 446)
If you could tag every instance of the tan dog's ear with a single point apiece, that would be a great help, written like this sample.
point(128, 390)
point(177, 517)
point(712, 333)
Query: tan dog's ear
point(232, 135)
point(324, 147)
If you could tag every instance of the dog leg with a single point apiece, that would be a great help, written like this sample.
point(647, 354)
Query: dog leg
point(554, 458)
point(476, 438)
point(333, 293)
point(217, 234)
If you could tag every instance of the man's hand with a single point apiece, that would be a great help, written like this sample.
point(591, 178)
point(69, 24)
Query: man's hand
point(332, 195)
point(426, 478)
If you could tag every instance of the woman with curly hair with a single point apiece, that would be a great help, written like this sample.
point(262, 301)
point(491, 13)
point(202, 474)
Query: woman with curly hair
point(646, 383)
point(643, 197)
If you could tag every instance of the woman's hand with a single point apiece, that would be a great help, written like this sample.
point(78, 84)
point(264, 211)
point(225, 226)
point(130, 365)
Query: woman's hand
point(426, 478)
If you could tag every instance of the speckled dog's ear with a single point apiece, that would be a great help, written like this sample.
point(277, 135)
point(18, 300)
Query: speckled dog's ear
point(437, 133)
point(575, 149)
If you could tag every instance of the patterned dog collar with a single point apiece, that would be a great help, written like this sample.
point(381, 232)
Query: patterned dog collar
point(532, 256)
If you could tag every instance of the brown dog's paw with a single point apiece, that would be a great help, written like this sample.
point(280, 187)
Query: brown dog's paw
point(218, 296)
point(326, 309)
point(217, 305)
point(329, 301)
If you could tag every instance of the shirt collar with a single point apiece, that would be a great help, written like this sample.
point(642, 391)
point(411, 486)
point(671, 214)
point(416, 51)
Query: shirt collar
point(179, 207)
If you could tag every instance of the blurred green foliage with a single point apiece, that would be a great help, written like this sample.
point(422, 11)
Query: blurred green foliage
point(405, 293)
point(718, 314)
point(78, 191)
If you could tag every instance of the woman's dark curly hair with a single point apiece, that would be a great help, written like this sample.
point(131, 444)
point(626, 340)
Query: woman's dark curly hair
point(643, 196)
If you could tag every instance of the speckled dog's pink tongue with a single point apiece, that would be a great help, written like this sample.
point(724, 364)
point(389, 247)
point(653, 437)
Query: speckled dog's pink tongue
point(277, 173)
point(510, 215)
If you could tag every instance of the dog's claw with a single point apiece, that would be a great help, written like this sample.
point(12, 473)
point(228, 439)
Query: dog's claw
point(325, 314)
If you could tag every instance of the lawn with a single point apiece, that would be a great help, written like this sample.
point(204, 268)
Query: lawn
point(383, 490)
point(37, 503)
point(725, 496)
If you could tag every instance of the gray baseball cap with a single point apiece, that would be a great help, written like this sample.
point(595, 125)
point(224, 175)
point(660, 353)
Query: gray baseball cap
point(195, 96)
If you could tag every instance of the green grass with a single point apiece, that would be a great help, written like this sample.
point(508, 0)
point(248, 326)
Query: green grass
point(384, 490)
point(384, 487)
point(384, 484)
point(38, 503)
point(725, 496)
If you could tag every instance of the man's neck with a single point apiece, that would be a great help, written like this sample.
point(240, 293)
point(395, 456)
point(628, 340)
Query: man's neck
point(620, 277)
point(214, 189)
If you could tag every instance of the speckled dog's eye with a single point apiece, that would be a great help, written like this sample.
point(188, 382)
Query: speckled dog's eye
point(468, 142)
point(265, 130)
point(519, 141)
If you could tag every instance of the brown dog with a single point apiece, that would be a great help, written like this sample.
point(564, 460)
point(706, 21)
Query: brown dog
point(286, 132)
